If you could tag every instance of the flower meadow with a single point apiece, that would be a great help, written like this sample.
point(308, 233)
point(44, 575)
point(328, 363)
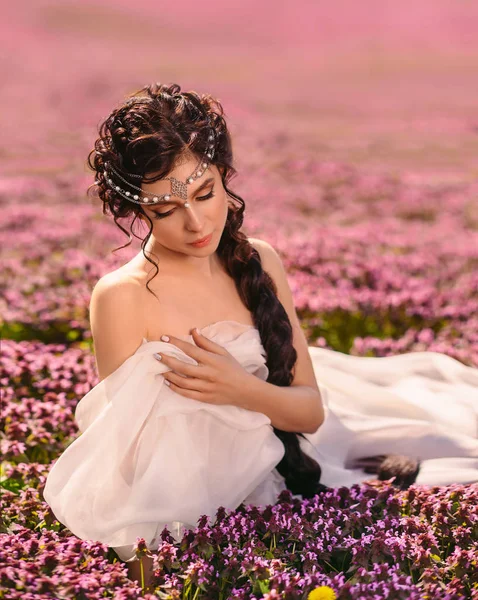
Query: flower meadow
point(358, 165)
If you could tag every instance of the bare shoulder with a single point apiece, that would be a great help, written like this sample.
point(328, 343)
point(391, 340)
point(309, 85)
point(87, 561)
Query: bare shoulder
point(116, 320)
point(116, 293)
point(270, 258)
point(260, 244)
point(115, 283)
point(272, 264)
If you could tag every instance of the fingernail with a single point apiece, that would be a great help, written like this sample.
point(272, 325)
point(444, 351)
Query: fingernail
point(165, 338)
point(197, 330)
point(167, 382)
point(157, 355)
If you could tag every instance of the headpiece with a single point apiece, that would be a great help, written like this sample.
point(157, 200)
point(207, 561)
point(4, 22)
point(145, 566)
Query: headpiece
point(178, 188)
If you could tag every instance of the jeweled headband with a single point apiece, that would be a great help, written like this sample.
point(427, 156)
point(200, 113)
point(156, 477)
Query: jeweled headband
point(178, 188)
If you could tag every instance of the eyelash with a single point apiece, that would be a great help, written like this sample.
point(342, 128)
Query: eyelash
point(166, 214)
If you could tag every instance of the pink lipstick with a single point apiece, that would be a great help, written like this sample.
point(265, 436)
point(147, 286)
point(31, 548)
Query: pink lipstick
point(202, 242)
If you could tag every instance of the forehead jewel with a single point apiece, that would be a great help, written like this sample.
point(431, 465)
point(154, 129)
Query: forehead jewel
point(115, 180)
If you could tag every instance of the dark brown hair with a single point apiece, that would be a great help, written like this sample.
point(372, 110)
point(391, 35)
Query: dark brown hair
point(146, 134)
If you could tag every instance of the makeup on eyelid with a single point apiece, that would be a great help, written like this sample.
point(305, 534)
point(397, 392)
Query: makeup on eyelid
point(159, 215)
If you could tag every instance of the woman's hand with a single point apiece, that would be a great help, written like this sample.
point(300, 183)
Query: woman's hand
point(218, 378)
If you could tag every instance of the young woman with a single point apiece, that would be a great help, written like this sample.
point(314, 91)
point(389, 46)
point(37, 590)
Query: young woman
point(240, 408)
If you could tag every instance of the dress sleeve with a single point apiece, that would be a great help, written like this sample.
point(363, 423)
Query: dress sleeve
point(148, 457)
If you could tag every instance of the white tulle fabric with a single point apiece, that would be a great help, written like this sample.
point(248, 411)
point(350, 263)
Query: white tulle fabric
point(148, 457)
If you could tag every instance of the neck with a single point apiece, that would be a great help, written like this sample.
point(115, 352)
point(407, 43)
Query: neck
point(181, 265)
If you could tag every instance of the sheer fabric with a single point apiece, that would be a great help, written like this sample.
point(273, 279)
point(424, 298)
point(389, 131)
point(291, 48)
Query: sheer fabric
point(148, 457)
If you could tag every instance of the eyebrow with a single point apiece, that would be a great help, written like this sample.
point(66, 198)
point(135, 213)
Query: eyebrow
point(201, 187)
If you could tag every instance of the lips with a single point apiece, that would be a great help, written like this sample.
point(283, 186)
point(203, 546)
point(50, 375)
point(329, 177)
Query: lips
point(202, 239)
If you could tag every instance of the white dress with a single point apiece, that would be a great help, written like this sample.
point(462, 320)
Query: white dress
point(148, 457)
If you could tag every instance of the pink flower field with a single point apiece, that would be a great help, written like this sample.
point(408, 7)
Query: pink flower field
point(355, 130)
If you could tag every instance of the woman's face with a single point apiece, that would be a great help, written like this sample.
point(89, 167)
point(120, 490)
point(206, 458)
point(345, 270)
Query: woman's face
point(176, 227)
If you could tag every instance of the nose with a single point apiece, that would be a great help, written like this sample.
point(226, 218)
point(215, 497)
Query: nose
point(193, 221)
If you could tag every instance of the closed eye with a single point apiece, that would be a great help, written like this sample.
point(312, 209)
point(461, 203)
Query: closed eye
point(166, 214)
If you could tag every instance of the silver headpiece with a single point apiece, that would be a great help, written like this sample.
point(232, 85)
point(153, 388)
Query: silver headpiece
point(178, 188)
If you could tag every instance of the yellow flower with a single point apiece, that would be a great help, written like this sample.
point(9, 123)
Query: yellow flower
point(324, 592)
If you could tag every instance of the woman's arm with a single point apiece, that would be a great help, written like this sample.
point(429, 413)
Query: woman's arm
point(299, 407)
point(295, 408)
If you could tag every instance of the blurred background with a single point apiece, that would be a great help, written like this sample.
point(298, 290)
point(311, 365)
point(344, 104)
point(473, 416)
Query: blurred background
point(355, 129)
point(355, 132)
point(379, 84)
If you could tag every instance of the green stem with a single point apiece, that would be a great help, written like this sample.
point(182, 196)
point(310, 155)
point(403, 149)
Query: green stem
point(331, 566)
point(196, 593)
point(142, 574)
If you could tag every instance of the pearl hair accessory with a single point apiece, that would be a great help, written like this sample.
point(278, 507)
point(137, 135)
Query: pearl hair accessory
point(178, 188)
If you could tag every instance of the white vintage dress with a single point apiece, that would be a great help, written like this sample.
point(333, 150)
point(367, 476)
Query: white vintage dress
point(148, 457)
